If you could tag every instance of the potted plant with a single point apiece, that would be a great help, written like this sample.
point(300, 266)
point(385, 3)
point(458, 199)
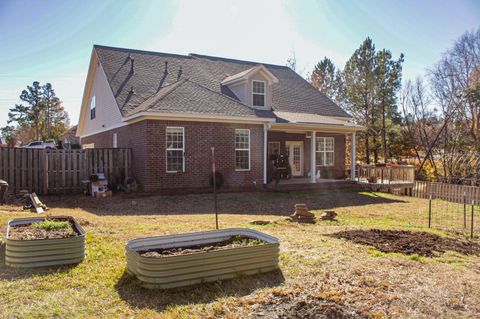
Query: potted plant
point(44, 241)
point(186, 259)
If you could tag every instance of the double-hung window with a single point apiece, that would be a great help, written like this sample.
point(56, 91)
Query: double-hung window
point(242, 149)
point(175, 141)
point(258, 92)
point(325, 151)
point(92, 107)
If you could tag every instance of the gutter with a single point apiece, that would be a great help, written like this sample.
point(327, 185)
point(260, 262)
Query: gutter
point(320, 126)
point(199, 117)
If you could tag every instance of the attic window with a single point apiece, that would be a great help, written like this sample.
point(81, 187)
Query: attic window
point(92, 108)
point(258, 93)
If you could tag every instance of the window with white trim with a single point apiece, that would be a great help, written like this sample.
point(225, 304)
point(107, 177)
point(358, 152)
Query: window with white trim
point(242, 149)
point(175, 141)
point(114, 140)
point(325, 151)
point(258, 93)
point(92, 107)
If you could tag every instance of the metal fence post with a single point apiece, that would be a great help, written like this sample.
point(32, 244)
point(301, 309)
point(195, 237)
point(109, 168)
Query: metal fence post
point(464, 210)
point(471, 226)
point(430, 211)
point(214, 186)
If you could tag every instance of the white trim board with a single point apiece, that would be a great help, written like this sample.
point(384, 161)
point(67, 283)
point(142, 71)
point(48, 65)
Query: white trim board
point(193, 117)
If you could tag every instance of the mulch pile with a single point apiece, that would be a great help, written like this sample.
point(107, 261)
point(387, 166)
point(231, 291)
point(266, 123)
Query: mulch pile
point(28, 232)
point(304, 307)
point(235, 241)
point(409, 243)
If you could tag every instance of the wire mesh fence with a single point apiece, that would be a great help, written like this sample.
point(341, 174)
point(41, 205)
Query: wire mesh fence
point(458, 213)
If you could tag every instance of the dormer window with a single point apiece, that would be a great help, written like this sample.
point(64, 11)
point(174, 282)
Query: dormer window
point(258, 93)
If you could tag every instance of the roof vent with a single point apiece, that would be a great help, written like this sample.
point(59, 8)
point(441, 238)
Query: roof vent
point(132, 60)
point(180, 71)
point(132, 91)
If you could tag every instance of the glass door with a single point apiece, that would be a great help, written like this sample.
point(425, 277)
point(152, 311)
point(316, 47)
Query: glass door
point(295, 157)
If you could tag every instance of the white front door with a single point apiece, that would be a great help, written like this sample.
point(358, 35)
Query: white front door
point(295, 157)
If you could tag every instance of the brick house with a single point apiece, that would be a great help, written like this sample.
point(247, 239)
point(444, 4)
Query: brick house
point(171, 109)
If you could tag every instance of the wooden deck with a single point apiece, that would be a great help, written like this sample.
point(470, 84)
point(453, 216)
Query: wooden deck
point(394, 177)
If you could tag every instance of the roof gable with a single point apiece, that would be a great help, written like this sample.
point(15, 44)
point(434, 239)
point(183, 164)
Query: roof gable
point(245, 75)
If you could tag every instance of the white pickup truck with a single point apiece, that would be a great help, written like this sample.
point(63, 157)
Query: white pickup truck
point(49, 145)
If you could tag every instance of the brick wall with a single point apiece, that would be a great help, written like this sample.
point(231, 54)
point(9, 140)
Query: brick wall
point(337, 171)
point(147, 140)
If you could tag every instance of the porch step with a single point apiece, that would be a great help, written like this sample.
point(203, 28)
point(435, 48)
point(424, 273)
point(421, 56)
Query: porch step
point(336, 184)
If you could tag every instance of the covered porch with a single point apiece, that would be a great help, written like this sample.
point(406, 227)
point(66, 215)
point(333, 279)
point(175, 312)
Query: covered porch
point(316, 150)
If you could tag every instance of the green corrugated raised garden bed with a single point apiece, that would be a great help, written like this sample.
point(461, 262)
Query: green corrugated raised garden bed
point(44, 241)
point(192, 258)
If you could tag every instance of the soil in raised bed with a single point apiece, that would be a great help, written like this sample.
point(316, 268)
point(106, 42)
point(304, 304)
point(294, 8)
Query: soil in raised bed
point(304, 307)
point(233, 242)
point(408, 242)
point(29, 232)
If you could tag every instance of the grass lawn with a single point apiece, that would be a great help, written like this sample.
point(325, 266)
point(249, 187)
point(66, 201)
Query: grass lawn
point(314, 264)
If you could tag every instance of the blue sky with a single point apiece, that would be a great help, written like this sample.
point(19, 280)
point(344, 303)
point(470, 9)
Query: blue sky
point(51, 41)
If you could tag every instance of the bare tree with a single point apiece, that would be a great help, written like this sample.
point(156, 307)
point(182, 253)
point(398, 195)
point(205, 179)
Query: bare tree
point(456, 83)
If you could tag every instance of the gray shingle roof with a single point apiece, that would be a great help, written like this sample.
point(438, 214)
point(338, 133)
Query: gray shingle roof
point(187, 96)
point(164, 82)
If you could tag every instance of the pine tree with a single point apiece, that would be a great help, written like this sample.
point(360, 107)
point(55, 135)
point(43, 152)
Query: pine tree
point(388, 75)
point(29, 114)
point(41, 112)
point(328, 80)
point(50, 101)
point(360, 91)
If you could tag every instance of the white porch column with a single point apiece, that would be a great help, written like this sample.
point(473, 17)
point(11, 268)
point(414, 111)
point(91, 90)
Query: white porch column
point(313, 166)
point(265, 150)
point(352, 157)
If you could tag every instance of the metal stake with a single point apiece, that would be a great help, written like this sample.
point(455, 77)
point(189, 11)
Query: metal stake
point(471, 226)
point(430, 211)
point(214, 186)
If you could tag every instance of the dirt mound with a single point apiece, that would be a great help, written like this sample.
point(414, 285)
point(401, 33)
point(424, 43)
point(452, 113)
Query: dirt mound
point(409, 243)
point(304, 307)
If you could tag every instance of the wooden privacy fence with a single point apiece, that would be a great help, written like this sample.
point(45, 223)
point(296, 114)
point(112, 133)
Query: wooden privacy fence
point(449, 192)
point(61, 171)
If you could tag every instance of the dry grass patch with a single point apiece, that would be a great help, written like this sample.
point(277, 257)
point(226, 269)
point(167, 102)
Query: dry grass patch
point(318, 272)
